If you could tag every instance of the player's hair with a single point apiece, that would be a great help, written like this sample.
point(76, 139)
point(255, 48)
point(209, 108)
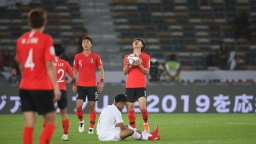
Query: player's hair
point(37, 17)
point(58, 49)
point(143, 43)
point(121, 98)
point(88, 38)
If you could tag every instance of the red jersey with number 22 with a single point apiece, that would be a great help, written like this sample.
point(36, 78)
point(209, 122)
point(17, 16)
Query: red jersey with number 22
point(86, 65)
point(33, 50)
point(62, 67)
point(135, 77)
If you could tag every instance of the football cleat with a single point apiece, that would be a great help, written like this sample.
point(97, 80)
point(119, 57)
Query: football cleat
point(155, 132)
point(65, 137)
point(146, 128)
point(90, 131)
point(81, 127)
point(154, 138)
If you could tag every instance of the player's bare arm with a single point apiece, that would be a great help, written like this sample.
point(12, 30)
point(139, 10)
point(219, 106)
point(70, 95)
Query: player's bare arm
point(101, 83)
point(75, 71)
point(142, 68)
point(122, 126)
point(73, 81)
point(126, 69)
point(52, 74)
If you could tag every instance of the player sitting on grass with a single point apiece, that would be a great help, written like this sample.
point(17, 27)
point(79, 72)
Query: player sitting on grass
point(111, 127)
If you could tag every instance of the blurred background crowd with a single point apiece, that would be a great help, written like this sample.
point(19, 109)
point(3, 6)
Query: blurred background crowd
point(180, 34)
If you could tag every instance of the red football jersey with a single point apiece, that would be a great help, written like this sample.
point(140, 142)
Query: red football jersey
point(135, 77)
point(62, 67)
point(33, 50)
point(86, 65)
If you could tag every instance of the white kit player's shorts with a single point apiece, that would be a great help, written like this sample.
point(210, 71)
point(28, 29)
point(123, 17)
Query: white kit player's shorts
point(114, 135)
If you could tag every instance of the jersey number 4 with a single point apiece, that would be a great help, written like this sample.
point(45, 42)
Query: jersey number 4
point(29, 62)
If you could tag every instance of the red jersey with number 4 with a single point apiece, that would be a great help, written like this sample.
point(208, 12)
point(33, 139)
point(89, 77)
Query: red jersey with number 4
point(86, 65)
point(62, 67)
point(33, 50)
point(135, 77)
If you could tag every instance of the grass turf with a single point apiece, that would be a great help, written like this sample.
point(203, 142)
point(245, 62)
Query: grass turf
point(174, 129)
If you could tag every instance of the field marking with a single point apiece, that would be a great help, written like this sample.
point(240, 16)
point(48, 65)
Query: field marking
point(211, 141)
point(240, 123)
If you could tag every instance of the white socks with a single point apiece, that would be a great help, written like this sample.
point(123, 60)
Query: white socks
point(143, 136)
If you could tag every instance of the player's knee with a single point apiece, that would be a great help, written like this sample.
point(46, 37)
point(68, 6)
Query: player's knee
point(143, 109)
point(79, 107)
point(131, 132)
point(63, 113)
point(92, 107)
point(131, 106)
point(50, 118)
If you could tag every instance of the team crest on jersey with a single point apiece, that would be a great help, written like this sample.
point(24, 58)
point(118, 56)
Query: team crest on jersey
point(91, 60)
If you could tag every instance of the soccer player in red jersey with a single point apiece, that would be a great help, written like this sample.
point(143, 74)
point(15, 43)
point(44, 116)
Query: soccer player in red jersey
point(38, 87)
point(136, 82)
point(63, 67)
point(85, 63)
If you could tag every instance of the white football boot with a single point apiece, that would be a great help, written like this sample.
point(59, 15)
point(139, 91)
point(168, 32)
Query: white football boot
point(81, 126)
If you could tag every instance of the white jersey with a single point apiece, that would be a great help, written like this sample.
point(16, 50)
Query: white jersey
point(108, 119)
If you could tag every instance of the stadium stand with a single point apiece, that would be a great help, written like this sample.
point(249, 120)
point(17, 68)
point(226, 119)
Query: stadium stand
point(64, 21)
point(180, 26)
point(168, 26)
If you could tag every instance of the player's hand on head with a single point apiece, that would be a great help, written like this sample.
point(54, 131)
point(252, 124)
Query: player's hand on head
point(100, 86)
point(74, 88)
point(57, 94)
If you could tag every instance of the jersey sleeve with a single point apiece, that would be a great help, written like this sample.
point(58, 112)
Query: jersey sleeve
point(118, 116)
point(125, 57)
point(98, 61)
point(75, 63)
point(147, 61)
point(69, 70)
point(49, 52)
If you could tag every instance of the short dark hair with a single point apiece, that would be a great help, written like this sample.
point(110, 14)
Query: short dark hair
point(37, 17)
point(120, 98)
point(58, 49)
point(88, 38)
point(143, 43)
point(172, 57)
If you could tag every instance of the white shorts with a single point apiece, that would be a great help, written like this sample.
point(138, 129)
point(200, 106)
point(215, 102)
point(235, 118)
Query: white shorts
point(114, 135)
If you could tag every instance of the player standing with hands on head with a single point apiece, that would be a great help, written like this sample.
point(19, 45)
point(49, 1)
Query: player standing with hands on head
point(136, 82)
point(85, 64)
point(63, 67)
point(38, 87)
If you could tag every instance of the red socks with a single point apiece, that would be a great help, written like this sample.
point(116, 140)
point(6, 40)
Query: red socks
point(65, 124)
point(145, 116)
point(132, 118)
point(79, 114)
point(46, 134)
point(92, 118)
point(27, 135)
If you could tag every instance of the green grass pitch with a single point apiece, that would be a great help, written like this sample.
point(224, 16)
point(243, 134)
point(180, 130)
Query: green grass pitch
point(174, 129)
